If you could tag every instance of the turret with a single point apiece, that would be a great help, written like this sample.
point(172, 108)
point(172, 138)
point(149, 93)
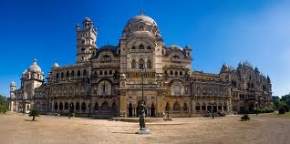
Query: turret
point(86, 40)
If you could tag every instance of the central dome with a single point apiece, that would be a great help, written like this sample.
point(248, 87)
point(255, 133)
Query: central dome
point(34, 67)
point(142, 18)
point(141, 25)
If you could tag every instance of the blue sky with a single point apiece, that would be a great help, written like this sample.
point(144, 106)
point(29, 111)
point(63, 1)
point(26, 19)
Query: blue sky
point(219, 31)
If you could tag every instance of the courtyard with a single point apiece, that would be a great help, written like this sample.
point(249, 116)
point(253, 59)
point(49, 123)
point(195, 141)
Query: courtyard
point(18, 128)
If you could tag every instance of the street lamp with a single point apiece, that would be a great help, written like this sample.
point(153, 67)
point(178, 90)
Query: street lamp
point(143, 129)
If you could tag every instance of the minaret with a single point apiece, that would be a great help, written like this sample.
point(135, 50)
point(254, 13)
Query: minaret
point(86, 40)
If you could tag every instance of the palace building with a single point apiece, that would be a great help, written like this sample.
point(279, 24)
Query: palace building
point(112, 80)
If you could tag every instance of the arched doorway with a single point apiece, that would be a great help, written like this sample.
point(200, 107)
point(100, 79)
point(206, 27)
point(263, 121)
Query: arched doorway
point(167, 107)
point(96, 106)
point(152, 110)
point(71, 107)
point(105, 106)
point(130, 109)
point(77, 106)
point(84, 107)
point(114, 107)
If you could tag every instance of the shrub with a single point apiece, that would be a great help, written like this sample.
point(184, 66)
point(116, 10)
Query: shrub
point(34, 113)
point(245, 117)
point(282, 110)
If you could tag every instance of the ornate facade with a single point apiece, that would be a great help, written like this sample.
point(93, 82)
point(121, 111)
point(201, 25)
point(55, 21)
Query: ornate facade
point(113, 79)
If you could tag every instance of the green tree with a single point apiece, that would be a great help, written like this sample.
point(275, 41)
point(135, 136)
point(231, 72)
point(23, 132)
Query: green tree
point(286, 99)
point(3, 104)
point(34, 113)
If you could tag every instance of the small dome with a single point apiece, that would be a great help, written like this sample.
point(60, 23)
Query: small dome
point(13, 83)
point(87, 19)
point(225, 68)
point(34, 67)
point(55, 65)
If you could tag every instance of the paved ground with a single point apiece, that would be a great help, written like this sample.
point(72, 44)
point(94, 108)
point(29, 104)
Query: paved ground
point(262, 129)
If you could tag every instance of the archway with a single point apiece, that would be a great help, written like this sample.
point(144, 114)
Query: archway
point(71, 107)
point(105, 106)
point(130, 109)
point(167, 107)
point(77, 106)
point(152, 110)
point(114, 107)
point(55, 106)
point(96, 106)
point(61, 106)
point(84, 107)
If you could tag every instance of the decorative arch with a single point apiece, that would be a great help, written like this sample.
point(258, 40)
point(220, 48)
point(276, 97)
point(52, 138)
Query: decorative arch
point(176, 106)
point(105, 106)
point(55, 106)
point(104, 88)
point(167, 107)
point(185, 107)
point(77, 106)
point(149, 64)
point(83, 107)
point(114, 107)
point(141, 63)
point(60, 106)
point(177, 88)
point(133, 64)
point(96, 106)
point(66, 106)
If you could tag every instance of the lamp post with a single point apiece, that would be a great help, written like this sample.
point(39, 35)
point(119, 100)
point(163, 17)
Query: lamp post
point(143, 129)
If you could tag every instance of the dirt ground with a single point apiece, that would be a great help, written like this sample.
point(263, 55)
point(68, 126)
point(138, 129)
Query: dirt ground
point(261, 129)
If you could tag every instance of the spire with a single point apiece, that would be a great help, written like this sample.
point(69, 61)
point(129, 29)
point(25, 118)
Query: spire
point(141, 8)
point(34, 61)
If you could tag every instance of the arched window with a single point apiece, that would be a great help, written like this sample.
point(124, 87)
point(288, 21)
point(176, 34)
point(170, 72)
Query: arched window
point(141, 64)
point(176, 106)
point(133, 64)
point(104, 88)
point(177, 89)
point(141, 46)
point(148, 47)
point(149, 64)
point(61, 75)
point(106, 58)
point(133, 47)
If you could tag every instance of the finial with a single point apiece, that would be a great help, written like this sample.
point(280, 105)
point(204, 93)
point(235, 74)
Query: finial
point(141, 8)
point(34, 60)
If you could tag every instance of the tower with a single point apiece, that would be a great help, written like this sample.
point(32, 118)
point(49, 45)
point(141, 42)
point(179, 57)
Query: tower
point(86, 40)
point(12, 96)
